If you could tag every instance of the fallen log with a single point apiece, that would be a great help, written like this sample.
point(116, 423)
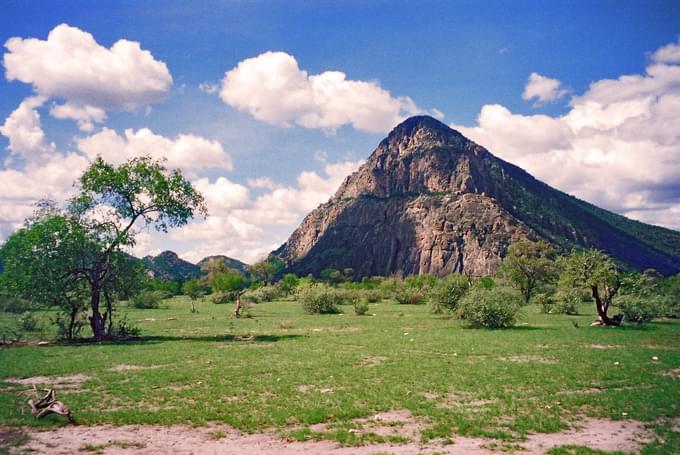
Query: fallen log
point(49, 405)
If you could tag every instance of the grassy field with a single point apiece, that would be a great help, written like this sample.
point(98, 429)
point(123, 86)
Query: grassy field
point(286, 370)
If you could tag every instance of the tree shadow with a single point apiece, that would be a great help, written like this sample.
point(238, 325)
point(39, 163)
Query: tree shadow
point(156, 339)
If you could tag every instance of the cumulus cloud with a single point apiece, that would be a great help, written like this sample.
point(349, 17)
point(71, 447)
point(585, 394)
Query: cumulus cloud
point(247, 227)
point(273, 88)
point(23, 129)
point(543, 89)
point(187, 152)
point(618, 145)
point(86, 78)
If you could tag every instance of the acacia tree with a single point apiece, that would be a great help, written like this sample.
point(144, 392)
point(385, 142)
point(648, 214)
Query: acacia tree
point(112, 203)
point(528, 265)
point(43, 262)
point(597, 272)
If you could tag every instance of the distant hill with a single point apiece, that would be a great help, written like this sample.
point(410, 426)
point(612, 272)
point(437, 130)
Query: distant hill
point(429, 200)
point(167, 266)
point(232, 264)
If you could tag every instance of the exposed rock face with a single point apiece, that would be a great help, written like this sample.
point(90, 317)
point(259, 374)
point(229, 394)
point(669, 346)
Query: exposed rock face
point(428, 200)
point(231, 264)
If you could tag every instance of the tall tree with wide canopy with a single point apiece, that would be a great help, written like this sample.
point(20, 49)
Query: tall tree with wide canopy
point(100, 222)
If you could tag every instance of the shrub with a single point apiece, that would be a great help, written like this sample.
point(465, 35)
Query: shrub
point(147, 299)
point(446, 294)
point(28, 322)
point(373, 295)
point(545, 301)
point(263, 294)
point(496, 307)
point(420, 281)
point(10, 304)
point(409, 296)
point(360, 308)
point(62, 324)
point(639, 309)
point(124, 329)
point(669, 307)
point(320, 300)
point(567, 303)
point(221, 298)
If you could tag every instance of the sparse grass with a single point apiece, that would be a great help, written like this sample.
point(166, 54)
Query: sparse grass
point(249, 373)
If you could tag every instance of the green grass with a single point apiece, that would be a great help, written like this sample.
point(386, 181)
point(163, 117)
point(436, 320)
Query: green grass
point(286, 370)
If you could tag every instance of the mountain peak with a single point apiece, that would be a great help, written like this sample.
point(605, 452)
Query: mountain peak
point(421, 128)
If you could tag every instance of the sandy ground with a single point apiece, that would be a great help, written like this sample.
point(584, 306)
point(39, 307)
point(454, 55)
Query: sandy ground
point(602, 434)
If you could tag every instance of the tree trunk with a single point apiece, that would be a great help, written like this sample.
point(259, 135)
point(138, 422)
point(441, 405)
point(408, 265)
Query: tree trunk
point(72, 322)
point(602, 308)
point(108, 316)
point(96, 320)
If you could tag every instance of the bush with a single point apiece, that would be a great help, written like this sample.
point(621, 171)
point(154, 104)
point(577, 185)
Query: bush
point(62, 324)
point(263, 294)
point(567, 303)
point(360, 308)
point(147, 299)
point(545, 301)
point(221, 298)
point(496, 307)
point(446, 294)
point(373, 295)
point(320, 300)
point(15, 305)
point(28, 322)
point(639, 309)
point(123, 329)
point(409, 296)
point(420, 281)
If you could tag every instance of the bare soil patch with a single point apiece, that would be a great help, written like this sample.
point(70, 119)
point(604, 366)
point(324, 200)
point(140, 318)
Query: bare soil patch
point(602, 346)
point(125, 367)
point(63, 382)
point(674, 373)
point(528, 359)
point(600, 434)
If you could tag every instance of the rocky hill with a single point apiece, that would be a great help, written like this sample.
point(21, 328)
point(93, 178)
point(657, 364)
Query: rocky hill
point(167, 266)
point(234, 265)
point(429, 200)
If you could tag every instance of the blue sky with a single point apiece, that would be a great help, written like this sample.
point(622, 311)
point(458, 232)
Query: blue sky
point(471, 61)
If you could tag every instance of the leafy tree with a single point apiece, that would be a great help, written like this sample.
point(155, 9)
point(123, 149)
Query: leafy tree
point(101, 221)
point(288, 283)
point(42, 263)
point(596, 272)
point(447, 292)
point(529, 265)
point(265, 270)
point(194, 289)
point(233, 284)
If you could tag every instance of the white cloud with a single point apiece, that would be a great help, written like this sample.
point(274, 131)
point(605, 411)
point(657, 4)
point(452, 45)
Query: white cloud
point(670, 53)
point(208, 87)
point(247, 227)
point(544, 89)
point(87, 78)
point(273, 88)
point(187, 152)
point(24, 131)
point(263, 182)
point(618, 146)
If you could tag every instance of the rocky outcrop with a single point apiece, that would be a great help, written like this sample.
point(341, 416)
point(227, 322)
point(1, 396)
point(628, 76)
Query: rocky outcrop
point(167, 266)
point(233, 265)
point(428, 200)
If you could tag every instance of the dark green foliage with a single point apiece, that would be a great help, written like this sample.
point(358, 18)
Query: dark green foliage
point(410, 296)
point(288, 283)
point(596, 272)
point(639, 309)
point(169, 287)
point(28, 322)
point(493, 308)
point(10, 304)
point(420, 281)
point(320, 299)
point(263, 294)
point(528, 266)
point(447, 292)
point(147, 299)
point(360, 307)
point(373, 295)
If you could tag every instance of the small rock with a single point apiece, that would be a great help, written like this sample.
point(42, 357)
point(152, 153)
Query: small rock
point(655, 358)
point(624, 414)
point(616, 363)
point(405, 333)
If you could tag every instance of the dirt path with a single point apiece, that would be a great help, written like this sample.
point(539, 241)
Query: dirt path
point(601, 434)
